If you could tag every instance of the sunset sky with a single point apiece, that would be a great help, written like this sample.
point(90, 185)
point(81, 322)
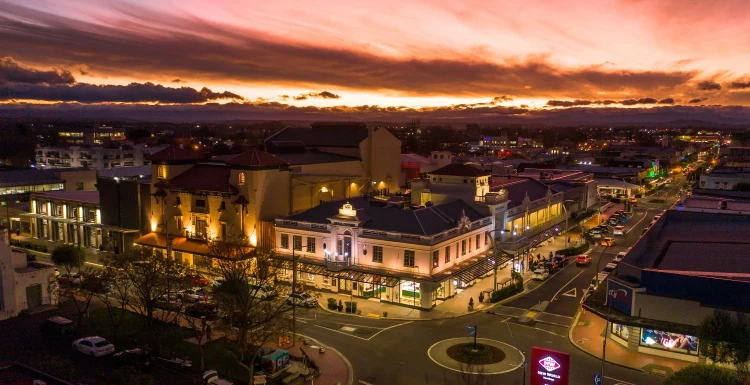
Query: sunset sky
point(508, 57)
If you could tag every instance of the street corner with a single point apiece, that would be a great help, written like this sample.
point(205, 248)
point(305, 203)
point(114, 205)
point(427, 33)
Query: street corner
point(334, 367)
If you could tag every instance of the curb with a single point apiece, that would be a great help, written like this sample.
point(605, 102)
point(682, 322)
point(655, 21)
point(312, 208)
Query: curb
point(349, 367)
point(570, 339)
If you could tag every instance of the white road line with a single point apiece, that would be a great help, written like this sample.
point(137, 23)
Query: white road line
point(346, 334)
point(564, 286)
point(364, 382)
point(619, 382)
point(389, 327)
point(535, 328)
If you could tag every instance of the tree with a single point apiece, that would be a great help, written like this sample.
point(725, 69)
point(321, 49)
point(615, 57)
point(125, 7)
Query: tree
point(703, 375)
point(152, 276)
point(725, 339)
point(255, 319)
point(67, 256)
point(117, 292)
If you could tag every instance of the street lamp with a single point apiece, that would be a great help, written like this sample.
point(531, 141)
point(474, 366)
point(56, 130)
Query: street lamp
point(495, 251)
point(523, 357)
point(565, 209)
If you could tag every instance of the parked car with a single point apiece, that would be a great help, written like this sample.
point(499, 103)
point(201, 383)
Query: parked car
point(583, 260)
point(603, 228)
point(263, 291)
point(609, 268)
point(168, 303)
point(69, 279)
point(619, 257)
point(94, 346)
point(196, 279)
point(58, 327)
point(96, 284)
point(139, 358)
point(540, 274)
point(301, 299)
point(619, 230)
point(608, 242)
point(561, 260)
point(551, 266)
point(193, 295)
point(202, 309)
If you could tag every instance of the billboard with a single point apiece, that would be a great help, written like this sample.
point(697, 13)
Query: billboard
point(549, 367)
point(621, 296)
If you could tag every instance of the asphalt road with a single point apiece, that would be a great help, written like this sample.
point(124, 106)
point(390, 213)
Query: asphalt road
point(384, 351)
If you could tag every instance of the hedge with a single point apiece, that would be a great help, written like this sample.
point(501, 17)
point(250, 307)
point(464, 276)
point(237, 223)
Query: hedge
point(508, 291)
point(29, 245)
point(573, 250)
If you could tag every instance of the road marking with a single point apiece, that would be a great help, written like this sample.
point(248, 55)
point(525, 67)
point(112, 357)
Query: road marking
point(347, 329)
point(563, 286)
point(389, 327)
point(535, 328)
point(619, 382)
point(364, 382)
point(568, 293)
point(351, 329)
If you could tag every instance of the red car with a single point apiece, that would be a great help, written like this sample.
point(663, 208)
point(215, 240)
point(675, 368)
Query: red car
point(583, 260)
point(196, 279)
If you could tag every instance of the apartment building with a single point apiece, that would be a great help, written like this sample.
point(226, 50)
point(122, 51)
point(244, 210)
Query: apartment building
point(96, 157)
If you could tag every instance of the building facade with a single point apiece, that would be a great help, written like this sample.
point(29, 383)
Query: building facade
point(23, 285)
point(409, 257)
point(96, 156)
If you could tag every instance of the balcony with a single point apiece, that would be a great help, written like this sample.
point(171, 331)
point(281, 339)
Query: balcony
point(332, 265)
point(534, 234)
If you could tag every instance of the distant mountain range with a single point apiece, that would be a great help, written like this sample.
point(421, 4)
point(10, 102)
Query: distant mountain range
point(675, 116)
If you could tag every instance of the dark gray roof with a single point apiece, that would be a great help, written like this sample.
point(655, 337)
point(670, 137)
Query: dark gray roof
point(518, 188)
point(425, 221)
point(27, 177)
point(336, 135)
point(313, 157)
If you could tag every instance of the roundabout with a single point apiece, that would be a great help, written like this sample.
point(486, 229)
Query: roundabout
point(488, 358)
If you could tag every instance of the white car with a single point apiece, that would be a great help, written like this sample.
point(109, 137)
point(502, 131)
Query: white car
point(540, 274)
point(619, 230)
point(619, 257)
point(93, 346)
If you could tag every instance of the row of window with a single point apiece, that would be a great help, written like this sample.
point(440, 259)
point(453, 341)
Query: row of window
point(377, 251)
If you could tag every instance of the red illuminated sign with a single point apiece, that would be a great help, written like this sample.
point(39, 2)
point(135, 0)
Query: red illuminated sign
point(549, 367)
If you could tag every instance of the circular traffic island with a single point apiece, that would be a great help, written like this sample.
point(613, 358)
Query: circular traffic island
point(482, 354)
point(488, 358)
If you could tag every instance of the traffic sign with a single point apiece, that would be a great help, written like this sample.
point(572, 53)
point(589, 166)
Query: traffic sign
point(597, 379)
point(472, 328)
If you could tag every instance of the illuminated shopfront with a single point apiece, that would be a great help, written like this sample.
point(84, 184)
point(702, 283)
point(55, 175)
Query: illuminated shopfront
point(410, 293)
point(672, 342)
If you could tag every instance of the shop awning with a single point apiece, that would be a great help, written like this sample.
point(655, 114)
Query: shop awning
point(181, 244)
point(112, 228)
point(357, 273)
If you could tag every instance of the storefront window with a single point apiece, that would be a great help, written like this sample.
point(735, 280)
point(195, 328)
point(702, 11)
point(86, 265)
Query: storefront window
point(621, 331)
point(673, 342)
point(410, 293)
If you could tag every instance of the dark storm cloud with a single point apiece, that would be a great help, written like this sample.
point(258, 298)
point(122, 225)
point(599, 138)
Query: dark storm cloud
point(500, 99)
point(568, 103)
point(178, 81)
point(740, 84)
point(316, 95)
point(12, 72)
point(708, 85)
point(697, 100)
point(160, 43)
point(647, 101)
point(628, 102)
point(131, 93)
point(666, 101)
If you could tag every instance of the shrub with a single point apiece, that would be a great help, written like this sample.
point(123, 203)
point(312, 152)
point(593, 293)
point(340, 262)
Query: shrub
point(351, 307)
point(703, 375)
point(385, 314)
point(332, 303)
point(508, 291)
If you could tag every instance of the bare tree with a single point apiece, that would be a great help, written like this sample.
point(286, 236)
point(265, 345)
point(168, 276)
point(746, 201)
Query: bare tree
point(247, 295)
point(116, 292)
point(151, 277)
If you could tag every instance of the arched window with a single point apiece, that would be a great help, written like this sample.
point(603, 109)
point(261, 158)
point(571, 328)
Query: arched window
point(241, 181)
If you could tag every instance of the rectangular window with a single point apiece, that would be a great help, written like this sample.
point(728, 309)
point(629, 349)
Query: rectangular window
point(486, 238)
point(284, 273)
point(178, 223)
point(447, 254)
point(200, 203)
point(457, 250)
point(469, 240)
point(310, 277)
point(297, 242)
point(463, 247)
point(310, 244)
point(224, 231)
point(325, 280)
point(408, 258)
point(299, 275)
point(377, 254)
point(476, 244)
point(200, 227)
point(340, 247)
point(285, 241)
point(435, 258)
point(160, 172)
point(79, 186)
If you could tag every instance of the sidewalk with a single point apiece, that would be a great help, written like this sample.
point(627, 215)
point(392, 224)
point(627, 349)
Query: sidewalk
point(453, 307)
point(334, 367)
point(587, 334)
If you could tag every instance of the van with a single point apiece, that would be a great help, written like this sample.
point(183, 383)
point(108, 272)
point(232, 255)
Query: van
point(58, 327)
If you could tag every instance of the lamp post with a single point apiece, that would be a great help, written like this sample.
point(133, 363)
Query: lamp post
point(495, 250)
point(514, 343)
point(598, 265)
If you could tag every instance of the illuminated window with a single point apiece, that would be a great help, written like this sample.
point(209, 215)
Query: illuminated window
point(241, 181)
point(160, 172)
